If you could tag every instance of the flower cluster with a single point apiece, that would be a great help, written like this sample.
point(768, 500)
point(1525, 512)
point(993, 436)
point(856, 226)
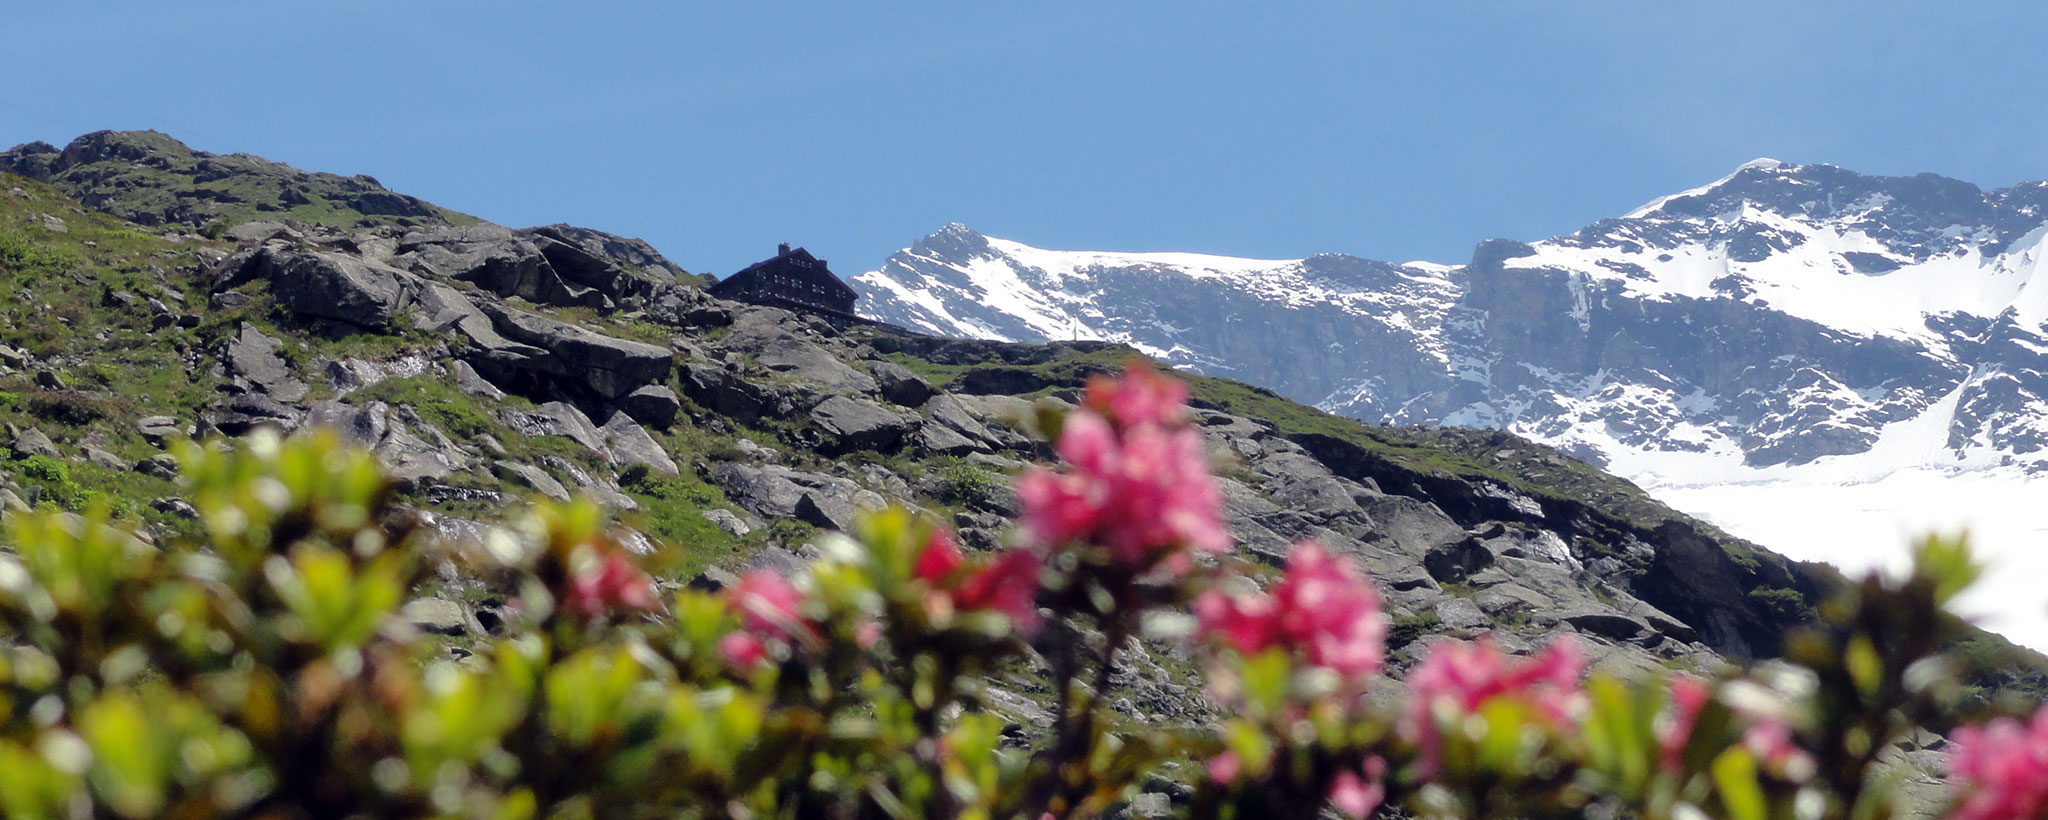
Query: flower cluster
point(1459, 678)
point(1322, 607)
point(1136, 485)
point(2000, 771)
point(770, 618)
point(613, 583)
point(1006, 584)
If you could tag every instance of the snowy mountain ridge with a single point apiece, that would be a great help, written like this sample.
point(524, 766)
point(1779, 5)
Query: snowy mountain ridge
point(1785, 331)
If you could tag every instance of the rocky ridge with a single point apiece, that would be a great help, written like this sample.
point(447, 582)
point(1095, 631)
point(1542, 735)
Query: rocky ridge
point(483, 364)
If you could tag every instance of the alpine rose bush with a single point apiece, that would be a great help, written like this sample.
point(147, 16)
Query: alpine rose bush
point(261, 668)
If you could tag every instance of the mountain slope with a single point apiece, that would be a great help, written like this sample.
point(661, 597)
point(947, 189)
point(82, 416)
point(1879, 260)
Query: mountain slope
point(149, 178)
point(1773, 336)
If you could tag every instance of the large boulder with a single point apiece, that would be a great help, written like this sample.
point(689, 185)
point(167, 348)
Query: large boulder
point(559, 419)
point(630, 444)
point(725, 392)
point(899, 384)
point(858, 424)
point(495, 259)
point(253, 361)
point(810, 365)
point(527, 475)
point(779, 492)
point(610, 367)
point(338, 287)
point(654, 405)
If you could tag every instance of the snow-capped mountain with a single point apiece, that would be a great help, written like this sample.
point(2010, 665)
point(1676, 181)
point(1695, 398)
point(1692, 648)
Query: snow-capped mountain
point(1798, 352)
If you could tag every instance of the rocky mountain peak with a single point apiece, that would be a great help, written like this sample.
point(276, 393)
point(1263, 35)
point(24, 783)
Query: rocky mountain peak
point(1790, 325)
point(954, 241)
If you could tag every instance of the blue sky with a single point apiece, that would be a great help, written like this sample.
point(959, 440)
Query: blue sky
point(714, 130)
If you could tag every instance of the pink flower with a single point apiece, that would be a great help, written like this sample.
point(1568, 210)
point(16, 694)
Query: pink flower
point(1323, 607)
point(1225, 767)
point(767, 605)
point(1143, 492)
point(1688, 696)
point(1460, 677)
point(616, 584)
point(2000, 771)
point(1770, 740)
point(1008, 584)
point(1358, 796)
point(1142, 396)
point(939, 558)
point(742, 649)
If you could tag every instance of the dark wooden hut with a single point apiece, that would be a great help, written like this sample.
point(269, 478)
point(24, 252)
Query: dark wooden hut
point(793, 279)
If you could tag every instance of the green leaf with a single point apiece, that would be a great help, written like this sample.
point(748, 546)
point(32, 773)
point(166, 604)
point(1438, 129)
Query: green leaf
point(1735, 779)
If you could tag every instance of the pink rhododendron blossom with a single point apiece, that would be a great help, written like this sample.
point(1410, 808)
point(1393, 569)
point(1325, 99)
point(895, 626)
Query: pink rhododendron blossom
point(1770, 740)
point(1359, 796)
point(1142, 396)
point(2000, 771)
point(1144, 492)
point(767, 605)
point(742, 649)
point(1460, 677)
point(1322, 607)
point(615, 584)
point(1007, 584)
point(1688, 696)
point(939, 558)
point(1225, 767)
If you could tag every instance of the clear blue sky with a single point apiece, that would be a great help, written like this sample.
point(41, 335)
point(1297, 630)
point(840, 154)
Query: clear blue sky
point(1395, 130)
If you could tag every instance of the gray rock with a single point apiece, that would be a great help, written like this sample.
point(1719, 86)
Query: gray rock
point(412, 451)
point(1607, 624)
point(725, 392)
point(1457, 561)
point(1152, 804)
point(31, 442)
point(858, 424)
point(349, 375)
point(445, 309)
point(809, 364)
point(1461, 615)
point(103, 458)
point(898, 384)
point(363, 425)
point(474, 384)
point(439, 616)
point(343, 288)
point(654, 405)
point(495, 259)
point(532, 477)
point(252, 359)
point(158, 466)
point(260, 231)
point(175, 507)
point(245, 412)
point(779, 492)
point(776, 560)
point(725, 520)
point(558, 419)
point(609, 366)
point(629, 443)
